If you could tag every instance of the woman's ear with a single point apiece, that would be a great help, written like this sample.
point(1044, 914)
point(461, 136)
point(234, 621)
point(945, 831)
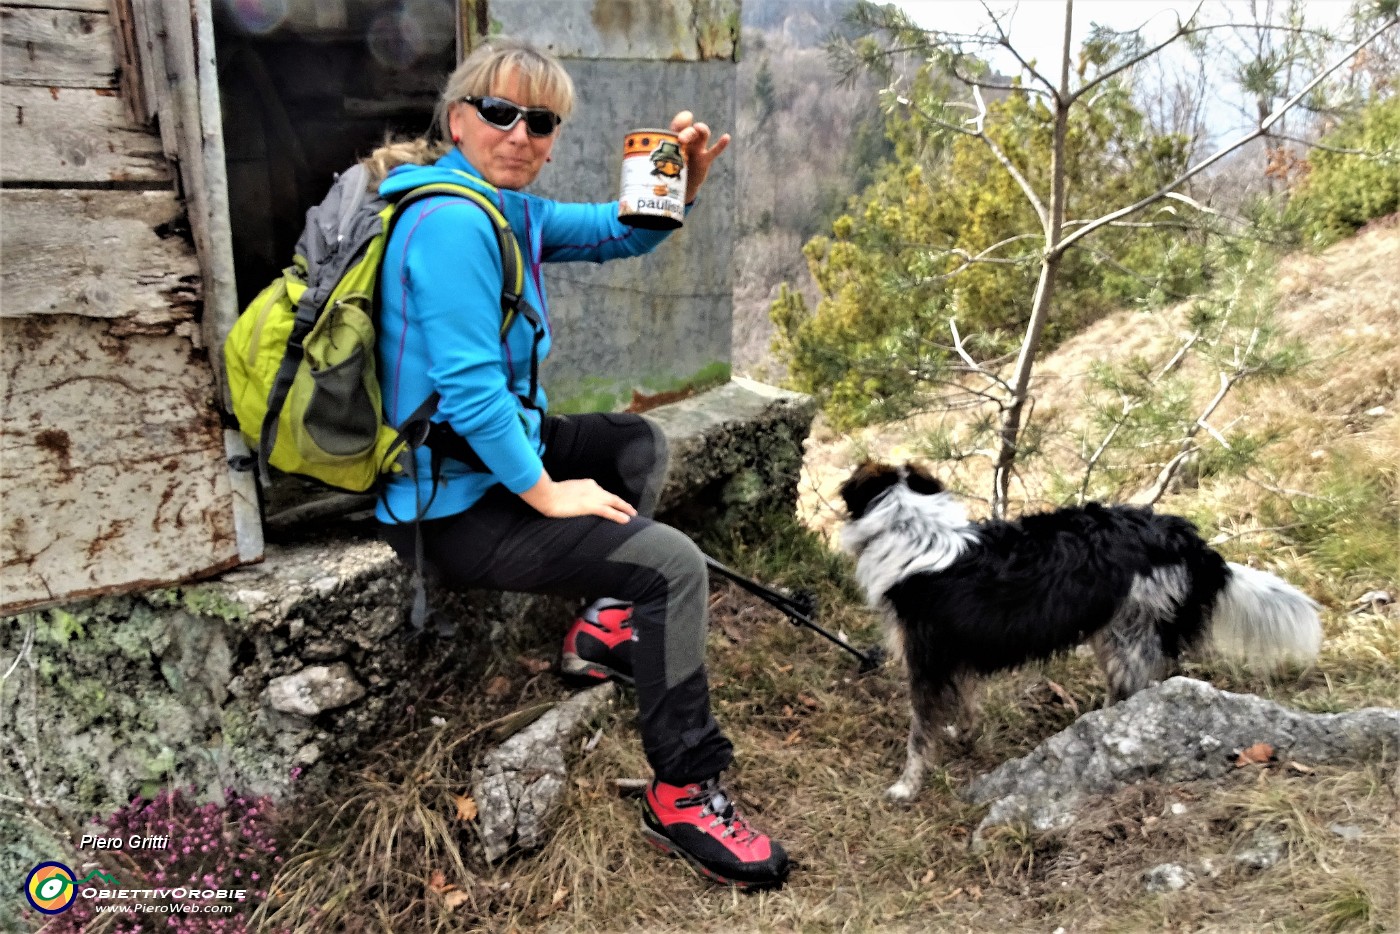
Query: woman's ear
point(456, 114)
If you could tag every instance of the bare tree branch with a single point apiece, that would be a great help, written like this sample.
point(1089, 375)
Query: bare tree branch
point(972, 365)
point(1182, 29)
point(1189, 445)
point(1383, 155)
point(1204, 209)
point(1130, 406)
point(1254, 134)
point(980, 259)
point(1108, 260)
point(997, 153)
point(1004, 41)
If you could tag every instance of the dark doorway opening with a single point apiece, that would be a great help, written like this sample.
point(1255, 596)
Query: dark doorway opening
point(306, 90)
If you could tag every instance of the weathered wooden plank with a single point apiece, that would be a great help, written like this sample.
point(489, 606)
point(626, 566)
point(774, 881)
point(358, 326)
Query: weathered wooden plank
point(98, 254)
point(111, 462)
point(76, 135)
point(90, 6)
point(57, 48)
point(132, 67)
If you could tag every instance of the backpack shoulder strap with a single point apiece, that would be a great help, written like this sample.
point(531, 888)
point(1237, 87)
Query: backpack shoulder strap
point(512, 261)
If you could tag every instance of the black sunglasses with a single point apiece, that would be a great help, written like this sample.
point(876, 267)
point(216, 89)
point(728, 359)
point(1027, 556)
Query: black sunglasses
point(503, 115)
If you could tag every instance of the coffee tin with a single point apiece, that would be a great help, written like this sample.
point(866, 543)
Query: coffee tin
point(653, 180)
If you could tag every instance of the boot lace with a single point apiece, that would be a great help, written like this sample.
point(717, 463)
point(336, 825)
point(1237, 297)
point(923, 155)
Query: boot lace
point(715, 803)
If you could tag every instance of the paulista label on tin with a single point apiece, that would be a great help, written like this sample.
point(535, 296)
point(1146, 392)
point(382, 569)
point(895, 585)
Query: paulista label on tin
point(653, 180)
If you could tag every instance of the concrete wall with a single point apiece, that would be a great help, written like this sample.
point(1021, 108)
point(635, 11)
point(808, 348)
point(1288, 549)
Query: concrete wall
point(659, 325)
point(661, 322)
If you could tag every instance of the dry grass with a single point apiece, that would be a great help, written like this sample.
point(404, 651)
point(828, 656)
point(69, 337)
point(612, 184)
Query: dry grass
point(817, 742)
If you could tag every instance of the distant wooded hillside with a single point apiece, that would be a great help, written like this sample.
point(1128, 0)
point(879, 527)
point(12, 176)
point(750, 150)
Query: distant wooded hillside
point(803, 144)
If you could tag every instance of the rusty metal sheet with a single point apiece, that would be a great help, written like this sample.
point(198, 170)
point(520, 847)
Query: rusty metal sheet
point(646, 30)
point(111, 462)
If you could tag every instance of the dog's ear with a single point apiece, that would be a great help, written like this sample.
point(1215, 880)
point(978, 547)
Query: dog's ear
point(868, 481)
point(921, 480)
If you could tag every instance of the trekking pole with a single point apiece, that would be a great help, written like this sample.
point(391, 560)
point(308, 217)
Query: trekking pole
point(797, 610)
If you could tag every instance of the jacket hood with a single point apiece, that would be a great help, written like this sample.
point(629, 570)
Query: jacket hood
point(453, 168)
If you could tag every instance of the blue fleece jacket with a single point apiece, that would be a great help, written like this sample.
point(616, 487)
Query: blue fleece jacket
point(440, 319)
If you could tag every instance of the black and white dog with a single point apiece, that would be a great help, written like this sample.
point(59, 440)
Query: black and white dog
point(963, 599)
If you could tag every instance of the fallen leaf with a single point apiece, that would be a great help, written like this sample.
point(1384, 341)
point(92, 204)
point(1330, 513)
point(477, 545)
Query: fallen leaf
point(787, 711)
point(784, 669)
point(951, 895)
point(928, 877)
point(534, 665)
point(497, 687)
point(793, 738)
point(466, 807)
point(808, 701)
point(1301, 768)
point(732, 631)
point(1258, 754)
point(555, 903)
point(975, 891)
point(454, 898)
point(1063, 695)
point(437, 882)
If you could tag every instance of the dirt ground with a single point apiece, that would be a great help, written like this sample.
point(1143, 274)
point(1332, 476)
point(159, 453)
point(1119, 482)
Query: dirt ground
point(817, 741)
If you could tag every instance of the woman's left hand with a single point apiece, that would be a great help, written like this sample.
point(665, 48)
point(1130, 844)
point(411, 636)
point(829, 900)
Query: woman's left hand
point(695, 142)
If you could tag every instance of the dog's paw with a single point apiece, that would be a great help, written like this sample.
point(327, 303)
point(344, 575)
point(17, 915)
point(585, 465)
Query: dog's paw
point(901, 793)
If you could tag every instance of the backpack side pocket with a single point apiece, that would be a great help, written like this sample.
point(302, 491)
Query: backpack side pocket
point(336, 390)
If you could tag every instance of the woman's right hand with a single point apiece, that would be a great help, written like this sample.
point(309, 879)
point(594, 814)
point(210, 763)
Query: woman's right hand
point(568, 498)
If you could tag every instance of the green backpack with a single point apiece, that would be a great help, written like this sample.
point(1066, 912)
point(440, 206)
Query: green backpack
point(300, 358)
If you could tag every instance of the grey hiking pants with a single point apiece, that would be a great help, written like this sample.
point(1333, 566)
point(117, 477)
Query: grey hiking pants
point(501, 543)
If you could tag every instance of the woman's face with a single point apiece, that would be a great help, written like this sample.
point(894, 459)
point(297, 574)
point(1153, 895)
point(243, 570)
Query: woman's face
point(505, 158)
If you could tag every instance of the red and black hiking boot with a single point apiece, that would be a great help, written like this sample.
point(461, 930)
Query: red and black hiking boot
point(598, 646)
point(699, 824)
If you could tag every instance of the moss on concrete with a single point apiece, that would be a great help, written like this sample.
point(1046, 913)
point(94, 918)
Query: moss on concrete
point(601, 394)
point(126, 695)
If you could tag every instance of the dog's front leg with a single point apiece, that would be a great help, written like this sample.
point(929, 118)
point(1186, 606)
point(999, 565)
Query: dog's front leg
point(929, 707)
point(909, 784)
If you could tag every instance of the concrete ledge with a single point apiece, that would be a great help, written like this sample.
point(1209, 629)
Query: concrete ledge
point(299, 661)
point(736, 454)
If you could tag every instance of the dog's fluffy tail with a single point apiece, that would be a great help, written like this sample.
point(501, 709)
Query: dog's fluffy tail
point(1261, 619)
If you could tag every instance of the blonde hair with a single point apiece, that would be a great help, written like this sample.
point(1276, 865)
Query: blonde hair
point(543, 81)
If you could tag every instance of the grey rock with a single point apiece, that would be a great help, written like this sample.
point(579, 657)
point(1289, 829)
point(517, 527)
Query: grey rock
point(1347, 832)
point(517, 783)
point(314, 690)
point(1168, 877)
point(1265, 851)
point(1180, 730)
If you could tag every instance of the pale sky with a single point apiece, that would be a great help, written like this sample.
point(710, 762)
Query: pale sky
point(1036, 28)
